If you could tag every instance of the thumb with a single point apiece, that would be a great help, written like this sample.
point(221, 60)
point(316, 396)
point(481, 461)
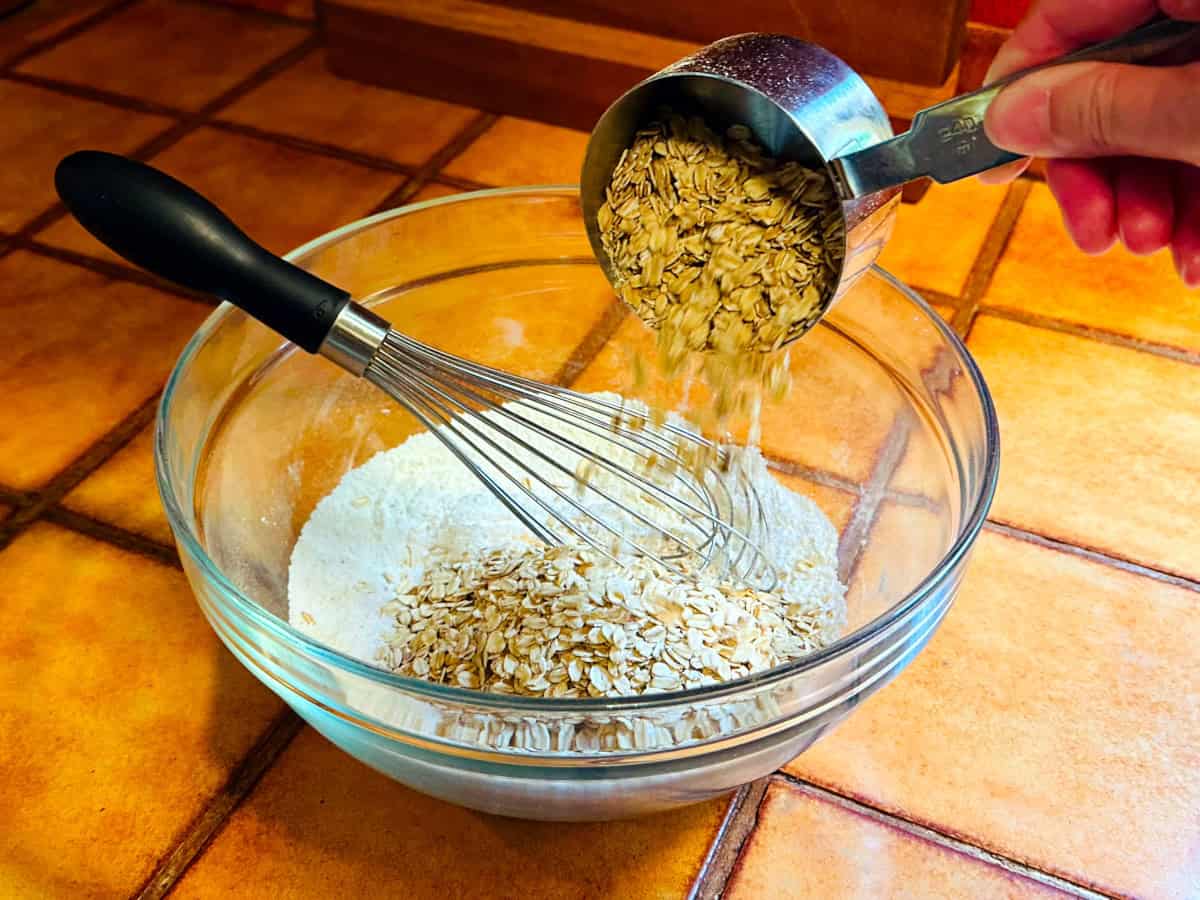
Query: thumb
point(1100, 109)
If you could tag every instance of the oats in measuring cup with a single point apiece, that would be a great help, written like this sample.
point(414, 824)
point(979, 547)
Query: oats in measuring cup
point(716, 244)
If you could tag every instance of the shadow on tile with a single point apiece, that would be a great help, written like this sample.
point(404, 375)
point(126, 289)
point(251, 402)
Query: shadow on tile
point(357, 830)
point(121, 714)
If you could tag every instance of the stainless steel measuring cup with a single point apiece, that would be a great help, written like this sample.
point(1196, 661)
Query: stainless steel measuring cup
point(805, 104)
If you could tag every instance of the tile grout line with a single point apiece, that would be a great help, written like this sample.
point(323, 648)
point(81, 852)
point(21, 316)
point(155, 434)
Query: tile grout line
point(1089, 332)
point(80, 468)
point(113, 270)
point(1092, 555)
point(113, 535)
point(13, 497)
point(463, 184)
point(932, 297)
point(307, 145)
point(427, 171)
point(99, 16)
point(592, 344)
point(984, 268)
point(180, 129)
point(937, 837)
point(315, 148)
point(200, 117)
point(726, 851)
point(865, 510)
point(205, 827)
point(808, 473)
point(96, 95)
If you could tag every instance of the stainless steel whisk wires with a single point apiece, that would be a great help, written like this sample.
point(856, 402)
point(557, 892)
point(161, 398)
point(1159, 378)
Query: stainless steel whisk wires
point(528, 441)
point(532, 445)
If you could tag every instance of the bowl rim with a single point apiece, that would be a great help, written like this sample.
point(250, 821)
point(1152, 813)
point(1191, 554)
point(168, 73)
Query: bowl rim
point(183, 528)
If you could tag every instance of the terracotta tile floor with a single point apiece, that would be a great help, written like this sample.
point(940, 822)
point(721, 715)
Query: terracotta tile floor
point(346, 828)
point(92, 369)
point(180, 55)
point(1121, 293)
point(122, 714)
point(1045, 740)
point(41, 127)
point(308, 102)
point(122, 491)
point(807, 846)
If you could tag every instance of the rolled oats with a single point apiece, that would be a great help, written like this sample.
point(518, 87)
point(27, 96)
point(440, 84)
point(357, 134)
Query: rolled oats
point(721, 249)
point(565, 622)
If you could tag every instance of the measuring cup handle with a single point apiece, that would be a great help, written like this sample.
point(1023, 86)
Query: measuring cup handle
point(947, 142)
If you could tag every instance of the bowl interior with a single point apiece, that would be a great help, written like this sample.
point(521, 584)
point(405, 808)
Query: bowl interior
point(885, 427)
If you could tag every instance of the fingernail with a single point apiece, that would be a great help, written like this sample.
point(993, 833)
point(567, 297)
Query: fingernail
point(1191, 272)
point(1188, 267)
point(1019, 120)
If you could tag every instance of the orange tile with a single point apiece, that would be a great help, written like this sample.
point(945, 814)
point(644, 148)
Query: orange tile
point(1101, 444)
point(121, 713)
point(486, 318)
point(66, 385)
point(925, 470)
point(307, 101)
point(279, 196)
point(123, 491)
point(520, 151)
point(807, 428)
point(355, 830)
point(432, 191)
point(1058, 706)
point(806, 846)
point(904, 545)
point(41, 127)
point(937, 240)
point(179, 54)
point(41, 21)
point(1042, 272)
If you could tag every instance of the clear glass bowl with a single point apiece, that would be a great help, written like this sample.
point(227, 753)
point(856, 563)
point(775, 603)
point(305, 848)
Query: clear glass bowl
point(889, 428)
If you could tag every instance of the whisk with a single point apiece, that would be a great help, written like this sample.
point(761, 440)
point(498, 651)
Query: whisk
point(571, 467)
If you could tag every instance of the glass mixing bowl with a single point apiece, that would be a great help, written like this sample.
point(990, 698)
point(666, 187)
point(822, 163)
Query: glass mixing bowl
point(889, 428)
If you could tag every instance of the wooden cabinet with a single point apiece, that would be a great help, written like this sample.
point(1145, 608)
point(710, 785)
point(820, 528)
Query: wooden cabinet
point(563, 61)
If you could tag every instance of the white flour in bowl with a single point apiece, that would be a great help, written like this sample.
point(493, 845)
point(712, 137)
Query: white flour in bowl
point(406, 512)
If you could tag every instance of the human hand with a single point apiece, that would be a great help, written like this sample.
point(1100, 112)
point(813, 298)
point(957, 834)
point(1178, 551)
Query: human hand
point(1122, 142)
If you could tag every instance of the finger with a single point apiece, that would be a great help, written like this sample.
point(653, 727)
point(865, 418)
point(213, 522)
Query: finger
point(1186, 240)
point(1100, 109)
point(1084, 191)
point(1181, 9)
point(1006, 173)
point(1145, 205)
point(1055, 27)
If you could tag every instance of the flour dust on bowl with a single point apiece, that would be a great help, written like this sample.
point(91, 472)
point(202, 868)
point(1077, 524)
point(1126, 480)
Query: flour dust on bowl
point(888, 429)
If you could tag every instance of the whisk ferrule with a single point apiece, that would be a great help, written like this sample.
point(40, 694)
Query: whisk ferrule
point(354, 338)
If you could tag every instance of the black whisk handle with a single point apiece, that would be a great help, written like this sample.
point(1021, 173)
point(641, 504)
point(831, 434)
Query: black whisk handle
point(165, 227)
